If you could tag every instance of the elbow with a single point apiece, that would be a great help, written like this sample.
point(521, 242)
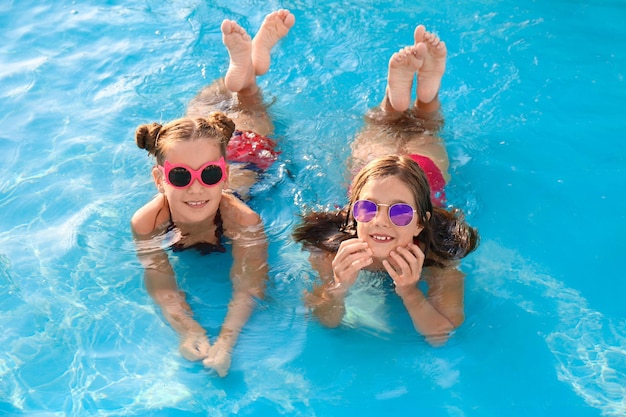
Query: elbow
point(456, 319)
point(257, 292)
point(440, 336)
point(437, 340)
point(249, 297)
point(252, 219)
point(328, 322)
point(166, 297)
point(328, 311)
point(329, 318)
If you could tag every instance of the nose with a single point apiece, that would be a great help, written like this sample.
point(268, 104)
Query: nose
point(195, 186)
point(382, 217)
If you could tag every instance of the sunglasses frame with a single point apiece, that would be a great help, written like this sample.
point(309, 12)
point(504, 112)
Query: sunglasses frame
point(389, 208)
point(196, 174)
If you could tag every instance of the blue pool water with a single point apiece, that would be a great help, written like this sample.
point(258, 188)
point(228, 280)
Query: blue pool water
point(533, 99)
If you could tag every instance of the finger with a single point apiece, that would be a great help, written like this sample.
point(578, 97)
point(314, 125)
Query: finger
point(352, 250)
point(419, 256)
point(357, 262)
point(418, 252)
point(350, 247)
point(408, 266)
point(347, 272)
point(410, 258)
point(391, 271)
point(347, 259)
point(402, 264)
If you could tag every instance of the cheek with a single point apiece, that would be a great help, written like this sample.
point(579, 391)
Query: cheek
point(170, 192)
point(360, 229)
point(408, 235)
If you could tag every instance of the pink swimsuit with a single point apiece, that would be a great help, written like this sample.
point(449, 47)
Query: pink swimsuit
point(435, 178)
point(248, 147)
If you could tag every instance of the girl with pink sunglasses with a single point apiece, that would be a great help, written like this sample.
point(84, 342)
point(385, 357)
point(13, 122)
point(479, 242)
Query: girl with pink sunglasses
point(396, 221)
point(196, 206)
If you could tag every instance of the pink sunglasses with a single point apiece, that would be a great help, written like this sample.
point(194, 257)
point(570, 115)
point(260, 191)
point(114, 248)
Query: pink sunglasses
point(182, 176)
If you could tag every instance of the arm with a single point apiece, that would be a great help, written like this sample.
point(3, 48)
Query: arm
point(445, 291)
point(248, 275)
point(436, 314)
point(326, 300)
point(160, 283)
point(338, 273)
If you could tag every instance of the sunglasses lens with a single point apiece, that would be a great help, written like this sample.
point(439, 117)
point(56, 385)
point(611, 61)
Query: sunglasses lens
point(364, 210)
point(401, 214)
point(179, 177)
point(211, 175)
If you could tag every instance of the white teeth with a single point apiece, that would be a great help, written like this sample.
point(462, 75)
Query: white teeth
point(382, 238)
point(196, 203)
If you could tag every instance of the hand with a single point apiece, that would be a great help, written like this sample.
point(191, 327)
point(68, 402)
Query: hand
point(352, 256)
point(219, 358)
point(405, 267)
point(194, 347)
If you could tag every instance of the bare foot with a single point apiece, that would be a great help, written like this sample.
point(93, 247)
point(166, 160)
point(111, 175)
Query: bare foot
point(402, 67)
point(418, 35)
point(274, 27)
point(219, 358)
point(194, 347)
point(430, 74)
point(240, 74)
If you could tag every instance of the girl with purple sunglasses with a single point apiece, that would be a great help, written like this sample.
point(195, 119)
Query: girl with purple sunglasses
point(396, 221)
point(195, 206)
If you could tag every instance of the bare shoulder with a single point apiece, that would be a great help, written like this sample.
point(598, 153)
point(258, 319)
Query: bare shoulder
point(446, 292)
point(236, 214)
point(154, 213)
point(322, 262)
point(449, 274)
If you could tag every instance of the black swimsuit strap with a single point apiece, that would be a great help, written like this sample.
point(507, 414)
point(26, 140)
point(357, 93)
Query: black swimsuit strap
point(204, 248)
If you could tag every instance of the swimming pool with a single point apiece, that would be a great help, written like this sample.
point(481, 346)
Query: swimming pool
point(533, 99)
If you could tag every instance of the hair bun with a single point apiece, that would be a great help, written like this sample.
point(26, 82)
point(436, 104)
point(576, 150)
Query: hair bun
point(222, 124)
point(146, 137)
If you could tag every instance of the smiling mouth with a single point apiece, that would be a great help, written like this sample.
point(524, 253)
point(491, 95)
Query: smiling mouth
point(196, 204)
point(381, 238)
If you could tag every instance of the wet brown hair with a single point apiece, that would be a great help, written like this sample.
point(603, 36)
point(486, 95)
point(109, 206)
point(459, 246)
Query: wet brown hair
point(445, 235)
point(156, 138)
point(402, 167)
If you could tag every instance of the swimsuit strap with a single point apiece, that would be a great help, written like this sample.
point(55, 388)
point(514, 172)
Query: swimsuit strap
point(204, 248)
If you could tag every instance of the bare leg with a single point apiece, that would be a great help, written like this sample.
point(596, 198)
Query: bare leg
point(390, 129)
point(430, 74)
point(251, 57)
point(274, 27)
point(402, 68)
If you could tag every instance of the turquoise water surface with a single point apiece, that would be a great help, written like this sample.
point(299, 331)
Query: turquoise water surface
point(533, 100)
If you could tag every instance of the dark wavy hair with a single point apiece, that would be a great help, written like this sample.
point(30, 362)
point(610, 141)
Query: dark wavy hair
point(446, 234)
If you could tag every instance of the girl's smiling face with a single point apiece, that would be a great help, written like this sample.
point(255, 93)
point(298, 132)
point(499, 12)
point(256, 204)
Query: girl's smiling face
point(381, 235)
point(197, 202)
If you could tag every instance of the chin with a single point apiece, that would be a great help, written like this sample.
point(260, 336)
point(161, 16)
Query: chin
point(381, 254)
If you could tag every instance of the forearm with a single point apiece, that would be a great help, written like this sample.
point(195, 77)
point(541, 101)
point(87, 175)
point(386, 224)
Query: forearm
point(175, 309)
point(249, 275)
point(427, 320)
point(327, 302)
point(240, 309)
